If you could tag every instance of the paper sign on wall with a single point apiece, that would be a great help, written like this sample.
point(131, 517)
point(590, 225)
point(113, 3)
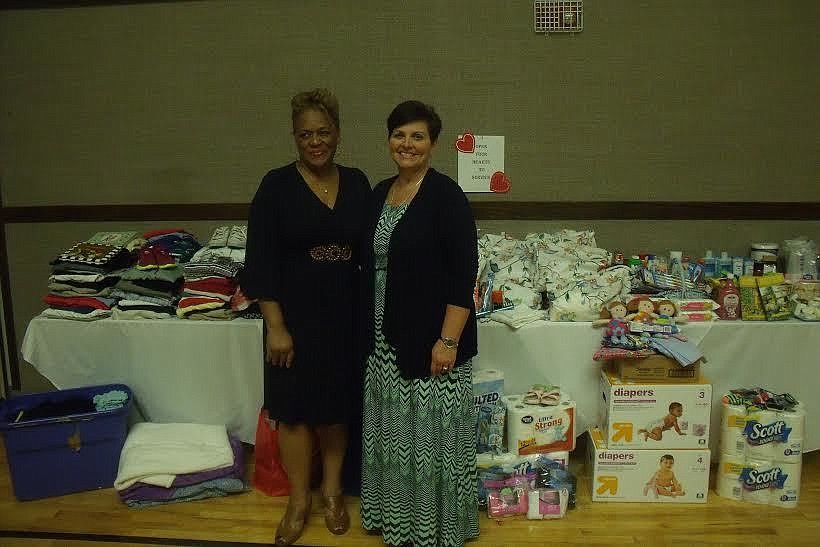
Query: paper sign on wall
point(481, 163)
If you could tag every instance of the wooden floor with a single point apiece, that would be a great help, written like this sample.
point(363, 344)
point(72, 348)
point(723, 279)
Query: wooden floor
point(98, 518)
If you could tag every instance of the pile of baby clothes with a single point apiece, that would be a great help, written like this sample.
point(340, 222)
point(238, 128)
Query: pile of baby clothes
point(82, 277)
point(178, 243)
point(212, 276)
point(171, 463)
point(150, 289)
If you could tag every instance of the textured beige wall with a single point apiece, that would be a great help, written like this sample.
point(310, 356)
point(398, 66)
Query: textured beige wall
point(188, 102)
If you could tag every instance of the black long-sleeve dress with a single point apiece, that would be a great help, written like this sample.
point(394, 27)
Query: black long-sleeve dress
point(305, 256)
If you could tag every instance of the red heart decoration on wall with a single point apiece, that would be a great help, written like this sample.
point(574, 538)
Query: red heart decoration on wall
point(499, 182)
point(466, 143)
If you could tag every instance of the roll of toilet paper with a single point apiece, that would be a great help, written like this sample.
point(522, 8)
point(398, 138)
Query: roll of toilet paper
point(728, 487)
point(733, 416)
point(732, 442)
point(732, 422)
point(731, 467)
point(795, 421)
point(535, 429)
point(789, 495)
point(756, 481)
point(759, 431)
point(790, 451)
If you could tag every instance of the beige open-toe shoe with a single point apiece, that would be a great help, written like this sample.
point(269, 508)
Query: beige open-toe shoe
point(292, 524)
point(336, 518)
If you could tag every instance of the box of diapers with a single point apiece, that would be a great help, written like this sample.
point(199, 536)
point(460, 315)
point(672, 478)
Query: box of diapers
point(665, 475)
point(643, 415)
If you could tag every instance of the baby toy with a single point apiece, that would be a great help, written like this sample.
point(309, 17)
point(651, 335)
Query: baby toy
point(642, 310)
point(614, 317)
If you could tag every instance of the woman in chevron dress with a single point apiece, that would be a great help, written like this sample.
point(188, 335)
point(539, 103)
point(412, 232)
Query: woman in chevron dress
point(418, 468)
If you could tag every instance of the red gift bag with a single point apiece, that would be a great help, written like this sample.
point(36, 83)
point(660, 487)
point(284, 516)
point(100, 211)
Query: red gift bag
point(269, 476)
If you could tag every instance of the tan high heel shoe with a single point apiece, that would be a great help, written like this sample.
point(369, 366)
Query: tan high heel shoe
point(292, 524)
point(336, 518)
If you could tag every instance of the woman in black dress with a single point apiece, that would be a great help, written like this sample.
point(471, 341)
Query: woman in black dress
point(302, 263)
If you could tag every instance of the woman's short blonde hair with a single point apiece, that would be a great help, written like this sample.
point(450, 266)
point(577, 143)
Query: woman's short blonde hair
point(320, 99)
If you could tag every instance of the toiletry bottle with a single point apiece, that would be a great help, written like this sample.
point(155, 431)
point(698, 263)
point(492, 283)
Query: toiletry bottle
point(737, 266)
point(724, 264)
point(709, 265)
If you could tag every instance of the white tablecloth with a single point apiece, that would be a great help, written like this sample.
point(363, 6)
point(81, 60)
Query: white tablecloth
point(211, 372)
point(781, 356)
point(179, 370)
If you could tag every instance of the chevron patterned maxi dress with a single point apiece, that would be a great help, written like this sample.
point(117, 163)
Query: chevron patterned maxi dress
point(418, 468)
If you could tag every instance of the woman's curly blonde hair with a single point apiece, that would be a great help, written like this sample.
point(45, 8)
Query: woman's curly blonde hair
point(320, 99)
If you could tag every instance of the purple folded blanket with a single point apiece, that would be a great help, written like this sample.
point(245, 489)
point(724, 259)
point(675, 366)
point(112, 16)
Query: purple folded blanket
point(143, 491)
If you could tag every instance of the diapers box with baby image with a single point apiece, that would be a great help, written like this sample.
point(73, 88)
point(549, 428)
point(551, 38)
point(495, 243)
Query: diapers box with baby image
point(645, 415)
point(646, 475)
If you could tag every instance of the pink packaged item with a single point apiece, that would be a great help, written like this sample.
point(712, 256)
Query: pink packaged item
point(547, 503)
point(508, 497)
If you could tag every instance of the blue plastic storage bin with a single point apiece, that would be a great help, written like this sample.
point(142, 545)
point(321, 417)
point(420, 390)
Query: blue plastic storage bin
point(55, 456)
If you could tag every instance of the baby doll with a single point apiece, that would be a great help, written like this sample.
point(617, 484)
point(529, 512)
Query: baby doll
point(654, 430)
point(668, 313)
point(642, 310)
point(614, 317)
point(663, 482)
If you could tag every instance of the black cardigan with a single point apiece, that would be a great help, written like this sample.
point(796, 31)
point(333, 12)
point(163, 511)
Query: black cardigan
point(432, 261)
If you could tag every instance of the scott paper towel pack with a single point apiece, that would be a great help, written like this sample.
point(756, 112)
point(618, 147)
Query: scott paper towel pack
point(536, 429)
point(761, 453)
point(758, 481)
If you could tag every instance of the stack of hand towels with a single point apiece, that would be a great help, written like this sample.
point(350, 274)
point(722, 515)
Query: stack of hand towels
point(169, 463)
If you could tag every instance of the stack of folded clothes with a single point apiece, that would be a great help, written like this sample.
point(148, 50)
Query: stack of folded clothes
point(171, 463)
point(83, 276)
point(150, 289)
point(180, 244)
point(212, 275)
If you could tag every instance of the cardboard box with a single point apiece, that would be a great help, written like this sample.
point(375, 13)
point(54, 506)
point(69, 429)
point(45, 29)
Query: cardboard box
point(654, 415)
point(648, 475)
point(657, 369)
point(55, 456)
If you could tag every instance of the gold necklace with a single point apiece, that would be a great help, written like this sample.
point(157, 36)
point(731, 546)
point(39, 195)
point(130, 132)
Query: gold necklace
point(409, 194)
point(311, 183)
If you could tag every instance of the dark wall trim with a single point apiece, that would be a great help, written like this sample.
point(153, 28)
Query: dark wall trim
point(127, 213)
point(483, 210)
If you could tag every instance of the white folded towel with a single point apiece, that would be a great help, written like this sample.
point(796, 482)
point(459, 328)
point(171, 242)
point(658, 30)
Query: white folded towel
point(156, 453)
point(518, 316)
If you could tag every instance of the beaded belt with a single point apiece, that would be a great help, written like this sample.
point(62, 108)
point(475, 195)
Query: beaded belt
point(331, 253)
